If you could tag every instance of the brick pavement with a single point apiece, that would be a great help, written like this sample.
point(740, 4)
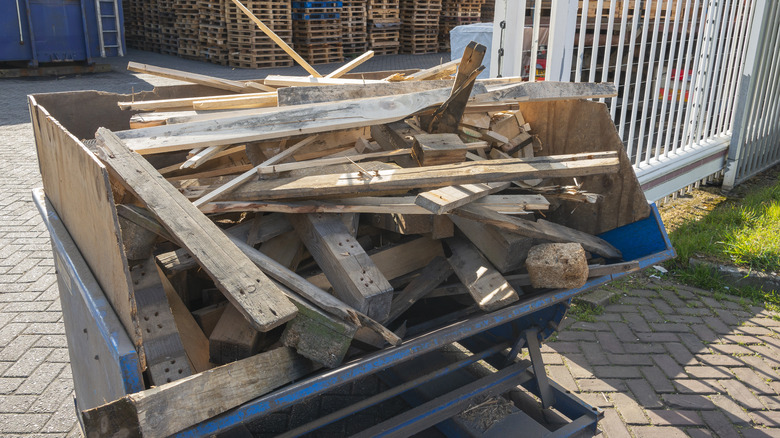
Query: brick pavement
point(664, 360)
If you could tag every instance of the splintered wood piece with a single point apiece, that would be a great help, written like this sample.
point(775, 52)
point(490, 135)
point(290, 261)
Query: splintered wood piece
point(486, 285)
point(430, 277)
point(447, 117)
point(258, 299)
point(249, 174)
point(355, 278)
point(399, 180)
point(233, 338)
point(506, 251)
point(540, 229)
point(285, 122)
point(194, 78)
point(441, 201)
point(280, 42)
point(166, 359)
point(434, 149)
point(506, 204)
point(351, 65)
point(216, 391)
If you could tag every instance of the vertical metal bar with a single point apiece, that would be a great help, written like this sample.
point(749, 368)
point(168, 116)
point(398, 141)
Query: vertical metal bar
point(745, 97)
point(716, 72)
point(774, 130)
point(594, 54)
point(690, 115)
point(734, 65)
point(660, 147)
point(619, 63)
point(519, 51)
point(711, 54)
point(119, 27)
point(683, 114)
point(99, 17)
point(662, 59)
point(608, 46)
point(581, 45)
point(638, 86)
point(627, 87)
point(537, 17)
point(560, 44)
point(19, 20)
point(545, 392)
point(648, 87)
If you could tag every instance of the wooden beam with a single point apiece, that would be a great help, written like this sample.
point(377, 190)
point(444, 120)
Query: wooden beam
point(249, 174)
point(331, 93)
point(216, 391)
point(506, 251)
point(431, 276)
point(398, 180)
point(544, 91)
point(254, 101)
point(486, 285)
point(185, 103)
point(540, 229)
point(308, 81)
point(233, 338)
point(193, 78)
point(351, 65)
point(280, 42)
point(506, 204)
point(355, 278)
point(259, 300)
point(442, 200)
point(285, 122)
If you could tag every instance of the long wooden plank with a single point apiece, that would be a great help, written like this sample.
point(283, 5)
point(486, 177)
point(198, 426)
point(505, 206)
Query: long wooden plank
point(358, 183)
point(442, 200)
point(309, 81)
point(321, 162)
point(286, 122)
point(331, 93)
point(258, 299)
point(280, 42)
point(253, 101)
point(486, 285)
point(540, 229)
point(172, 407)
point(506, 204)
point(194, 78)
point(249, 174)
point(355, 278)
point(351, 65)
point(544, 91)
point(187, 103)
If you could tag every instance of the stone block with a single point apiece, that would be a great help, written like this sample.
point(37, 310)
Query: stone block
point(557, 265)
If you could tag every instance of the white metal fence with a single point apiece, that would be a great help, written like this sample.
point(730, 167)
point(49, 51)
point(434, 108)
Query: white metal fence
point(680, 70)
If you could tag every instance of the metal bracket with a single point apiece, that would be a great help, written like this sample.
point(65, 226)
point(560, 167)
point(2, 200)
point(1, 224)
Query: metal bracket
point(545, 392)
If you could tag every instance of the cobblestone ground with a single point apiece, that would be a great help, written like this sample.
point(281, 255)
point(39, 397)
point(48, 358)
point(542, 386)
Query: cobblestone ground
point(663, 360)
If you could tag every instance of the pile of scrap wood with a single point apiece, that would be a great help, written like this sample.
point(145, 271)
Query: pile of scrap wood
point(329, 217)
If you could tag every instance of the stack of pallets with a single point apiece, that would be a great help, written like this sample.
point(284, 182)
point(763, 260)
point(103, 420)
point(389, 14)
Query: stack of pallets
point(488, 11)
point(213, 31)
point(151, 25)
point(384, 26)
point(420, 26)
point(317, 31)
point(456, 13)
point(134, 24)
point(248, 46)
point(169, 35)
point(354, 39)
point(188, 28)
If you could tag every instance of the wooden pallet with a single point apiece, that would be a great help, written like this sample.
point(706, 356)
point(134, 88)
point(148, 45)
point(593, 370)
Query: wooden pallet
point(248, 46)
point(321, 53)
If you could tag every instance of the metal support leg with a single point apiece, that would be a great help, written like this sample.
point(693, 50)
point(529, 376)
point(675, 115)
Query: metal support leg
point(545, 392)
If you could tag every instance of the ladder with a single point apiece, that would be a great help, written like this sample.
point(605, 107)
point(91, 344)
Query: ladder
point(108, 34)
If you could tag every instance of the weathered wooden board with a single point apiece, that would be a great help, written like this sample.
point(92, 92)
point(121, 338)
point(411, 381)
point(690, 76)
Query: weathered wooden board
point(579, 125)
point(258, 299)
point(430, 277)
point(233, 338)
point(354, 184)
point(77, 184)
point(210, 81)
point(167, 409)
point(355, 278)
point(486, 285)
point(332, 93)
point(544, 91)
point(506, 251)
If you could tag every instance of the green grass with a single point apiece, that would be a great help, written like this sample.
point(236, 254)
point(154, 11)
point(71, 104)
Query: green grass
point(744, 232)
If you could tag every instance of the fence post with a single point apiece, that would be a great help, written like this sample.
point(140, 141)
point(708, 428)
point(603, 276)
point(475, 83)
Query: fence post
point(745, 94)
point(560, 44)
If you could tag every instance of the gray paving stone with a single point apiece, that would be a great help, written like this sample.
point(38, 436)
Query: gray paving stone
point(719, 423)
point(752, 380)
point(613, 426)
point(657, 432)
point(669, 366)
point(644, 394)
point(629, 409)
point(657, 379)
point(697, 386)
point(733, 411)
point(688, 401)
point(741, 394)
point(675, 418)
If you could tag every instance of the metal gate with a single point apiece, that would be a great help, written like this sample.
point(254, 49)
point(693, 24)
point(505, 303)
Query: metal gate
point(680, 68)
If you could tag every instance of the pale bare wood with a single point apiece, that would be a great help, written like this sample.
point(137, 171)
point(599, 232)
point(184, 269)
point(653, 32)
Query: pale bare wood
point(438, 72)
point(195, 342)
point(202, 156)
point(308, 81)
point(223, 153)
point(194, 78)
point(320, 162)
point(445, 199)
point(186, 103)
point(233, 338)
point(351, 65)
point(236, 103)
point(216, 391)
point(246, 176)
point(506, 204)
point(228, 170)
point(285, 122)
point(506, 251)
point(352, 184)
point(280, 42)
point(330, 93)
point(486, 285)
point(258, 299)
